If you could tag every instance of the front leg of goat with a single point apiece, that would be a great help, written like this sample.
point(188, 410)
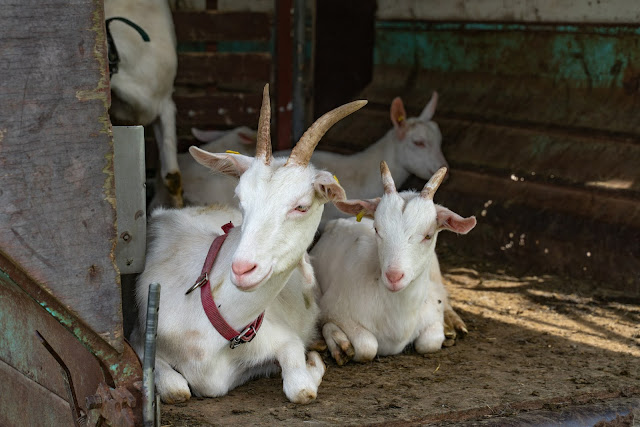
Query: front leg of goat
point(431, 335)
point(301, 376)
point(165, 131)
point(171, 385)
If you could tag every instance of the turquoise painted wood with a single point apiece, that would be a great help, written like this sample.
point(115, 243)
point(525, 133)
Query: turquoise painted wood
point(540, 127)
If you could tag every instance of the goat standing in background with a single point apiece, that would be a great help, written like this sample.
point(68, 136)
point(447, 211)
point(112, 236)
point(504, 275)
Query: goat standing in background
point(380, 278)
point(141, 88)
point(252, 280)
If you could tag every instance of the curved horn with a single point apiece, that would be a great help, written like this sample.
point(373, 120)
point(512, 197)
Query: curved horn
point(263, 144)
point(301, 153)
point(430, 187)
point(387, 179)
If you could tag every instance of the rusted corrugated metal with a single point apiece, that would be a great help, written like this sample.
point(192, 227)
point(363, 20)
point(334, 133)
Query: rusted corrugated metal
point(539, 127)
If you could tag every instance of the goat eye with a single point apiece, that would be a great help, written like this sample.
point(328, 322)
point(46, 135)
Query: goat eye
point(419, 143)
point(302, 208)
point(376, 230)
point(428, 237)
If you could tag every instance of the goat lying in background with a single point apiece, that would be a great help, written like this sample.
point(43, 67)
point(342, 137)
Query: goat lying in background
point(281, 203)
point(201, 185)
point(412, 146)
point(142, 86)
point(380, 279)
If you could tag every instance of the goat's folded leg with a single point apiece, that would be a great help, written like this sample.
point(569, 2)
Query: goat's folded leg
point(430, 339)
point(165, 132)
point(172, 386)
point(301, 375)
point(454, 326)
point(365, 344)
point(339, 345)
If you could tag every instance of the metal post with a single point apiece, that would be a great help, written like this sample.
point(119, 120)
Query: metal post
point(298, 69)
point(150, 405)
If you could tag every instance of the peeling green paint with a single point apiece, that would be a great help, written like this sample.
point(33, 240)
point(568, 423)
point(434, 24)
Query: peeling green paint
point(583, 56)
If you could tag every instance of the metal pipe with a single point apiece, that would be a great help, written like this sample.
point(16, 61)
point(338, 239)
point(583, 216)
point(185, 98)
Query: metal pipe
point(298, 69)
point(148, 384)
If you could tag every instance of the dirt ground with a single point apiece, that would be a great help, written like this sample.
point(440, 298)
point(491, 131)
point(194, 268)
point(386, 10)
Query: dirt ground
point(540, 351)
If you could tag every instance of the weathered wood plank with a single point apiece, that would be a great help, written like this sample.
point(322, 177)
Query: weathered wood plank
point(598, 12)
point(212, 26)
point(242, 71)
point(572, 76)
point(58, 218)
point(218, 109)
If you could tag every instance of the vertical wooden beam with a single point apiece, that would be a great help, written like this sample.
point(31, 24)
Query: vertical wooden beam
point(284, 74)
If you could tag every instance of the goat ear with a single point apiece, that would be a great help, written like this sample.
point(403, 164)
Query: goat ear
point(448, 220)
point(328, 188)
point(357, 207)
point(208, 135)
point(226, 163)
point(430, 109)
point(398, 117)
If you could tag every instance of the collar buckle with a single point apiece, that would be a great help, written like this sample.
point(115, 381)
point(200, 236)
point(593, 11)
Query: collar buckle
point(245, 336)
point(199, 282)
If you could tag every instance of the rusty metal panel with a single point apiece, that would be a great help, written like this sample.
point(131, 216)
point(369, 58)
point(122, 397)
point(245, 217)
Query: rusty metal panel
point(56, 157)
point(38, 406)
point(33, 372)
point(129, 167)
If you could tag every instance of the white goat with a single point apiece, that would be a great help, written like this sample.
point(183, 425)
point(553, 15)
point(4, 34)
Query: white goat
point(201, 185)
point(377, 277)
point(412, 146)
point(281, 202)
point(141, 89)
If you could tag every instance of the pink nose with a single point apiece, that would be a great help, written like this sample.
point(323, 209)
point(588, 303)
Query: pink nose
point(241, 268)
point(394, 276)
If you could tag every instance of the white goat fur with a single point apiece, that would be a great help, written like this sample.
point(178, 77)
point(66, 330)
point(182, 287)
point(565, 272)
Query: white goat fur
point(143, 85)
point(364, 312)
point(201, 185)
point(412, 146)
point(281, 207)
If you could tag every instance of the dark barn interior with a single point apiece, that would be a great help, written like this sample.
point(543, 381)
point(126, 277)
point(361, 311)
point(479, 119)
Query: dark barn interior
point(537, 108)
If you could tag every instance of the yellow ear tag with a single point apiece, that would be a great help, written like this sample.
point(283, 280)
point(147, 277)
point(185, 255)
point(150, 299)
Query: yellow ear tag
point(336, 178)
point(400, 119)
point(231, 152)
point(360, 215)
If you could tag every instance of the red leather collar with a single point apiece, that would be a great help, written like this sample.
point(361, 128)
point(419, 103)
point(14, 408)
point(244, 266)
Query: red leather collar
point(211, 309)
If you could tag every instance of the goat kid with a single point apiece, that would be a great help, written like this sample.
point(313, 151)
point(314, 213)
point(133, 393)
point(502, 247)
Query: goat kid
point(281, 202)
point(379, 279)
point(141, 89)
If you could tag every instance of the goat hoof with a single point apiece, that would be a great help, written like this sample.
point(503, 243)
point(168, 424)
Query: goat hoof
point(178, 396)
point(449, 342)
point(173, 182)
point(454, 326)
point(318, 345)
point(304, 396)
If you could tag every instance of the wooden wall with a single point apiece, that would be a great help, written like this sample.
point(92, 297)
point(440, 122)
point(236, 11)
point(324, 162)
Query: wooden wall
point(539, 123)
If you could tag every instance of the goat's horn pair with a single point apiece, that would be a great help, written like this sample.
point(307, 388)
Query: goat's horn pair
point(263, 143)
point(430, 187)
point(387, 179)
point(301, 153)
